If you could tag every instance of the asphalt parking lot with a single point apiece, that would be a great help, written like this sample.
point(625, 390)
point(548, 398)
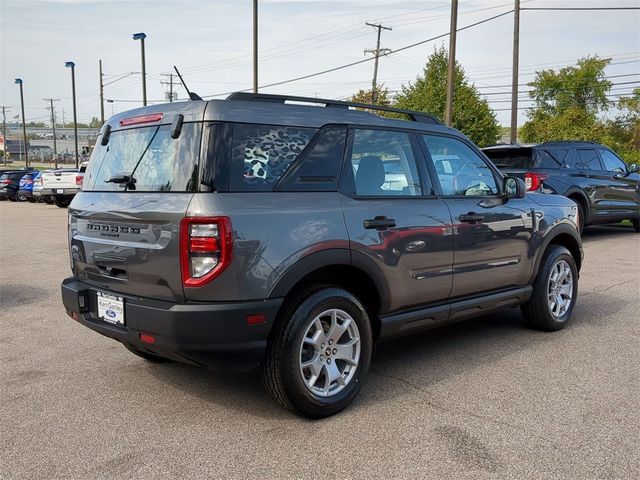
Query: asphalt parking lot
point(487, 398)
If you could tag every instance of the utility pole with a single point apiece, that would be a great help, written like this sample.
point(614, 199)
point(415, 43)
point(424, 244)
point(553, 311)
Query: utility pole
point(448, 113)
point(255, 46)
point(170, 83)
point(377, 52)
point(4, 133)
point(514, 73)
point(101, 95)
point(53, 125)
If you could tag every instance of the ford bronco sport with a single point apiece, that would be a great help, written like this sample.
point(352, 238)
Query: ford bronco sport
point(256, 232)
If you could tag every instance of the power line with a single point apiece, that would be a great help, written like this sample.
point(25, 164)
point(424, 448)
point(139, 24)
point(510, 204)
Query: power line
point(580, 8)
point(341, 67)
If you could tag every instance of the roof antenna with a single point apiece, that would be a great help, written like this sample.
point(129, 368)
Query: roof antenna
point(192, 95)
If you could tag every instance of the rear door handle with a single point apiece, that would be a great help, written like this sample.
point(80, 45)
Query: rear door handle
point(379, 223)
point(471, 218)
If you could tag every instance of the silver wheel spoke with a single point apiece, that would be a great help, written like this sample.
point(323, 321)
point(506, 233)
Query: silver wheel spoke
point(560, 289)
point(320, 351)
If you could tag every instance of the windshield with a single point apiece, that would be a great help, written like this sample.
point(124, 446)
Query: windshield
point(157, 162)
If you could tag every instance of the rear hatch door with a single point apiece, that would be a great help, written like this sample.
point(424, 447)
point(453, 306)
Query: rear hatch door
point(515, 161)
point(125, 224)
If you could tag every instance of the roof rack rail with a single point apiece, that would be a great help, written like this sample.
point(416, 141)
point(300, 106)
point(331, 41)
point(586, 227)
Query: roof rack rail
point(265, 97)
point(571, 141)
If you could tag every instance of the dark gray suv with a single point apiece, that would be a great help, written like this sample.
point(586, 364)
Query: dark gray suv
point(256, 232)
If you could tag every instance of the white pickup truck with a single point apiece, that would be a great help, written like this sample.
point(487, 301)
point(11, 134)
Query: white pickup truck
point(61, 184)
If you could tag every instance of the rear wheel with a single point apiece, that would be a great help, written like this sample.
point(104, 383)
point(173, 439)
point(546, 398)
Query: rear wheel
point(62, 202)
point(21, 197)
point(31, 200)
point(48, 200)
point(149, 357)
point(555, 291)
point(636, 225)
point(319, 354)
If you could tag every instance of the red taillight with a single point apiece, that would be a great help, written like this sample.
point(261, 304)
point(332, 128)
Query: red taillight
point(151, 118)
point(79, 180)
point(6, 181)
point(206, 244)
point(533, 181)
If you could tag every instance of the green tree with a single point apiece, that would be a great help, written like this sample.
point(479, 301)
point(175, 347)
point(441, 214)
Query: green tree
point(570, 103)
point(583, 86)
point(471, 114)
point(364, 96)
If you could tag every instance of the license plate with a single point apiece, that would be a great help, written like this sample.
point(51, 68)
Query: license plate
point(111, 308)
point(60, 190)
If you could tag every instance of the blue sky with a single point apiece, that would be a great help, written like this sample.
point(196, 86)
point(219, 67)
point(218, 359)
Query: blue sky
point(210, 41)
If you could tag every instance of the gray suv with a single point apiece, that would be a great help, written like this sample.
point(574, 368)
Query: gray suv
point(253, 231)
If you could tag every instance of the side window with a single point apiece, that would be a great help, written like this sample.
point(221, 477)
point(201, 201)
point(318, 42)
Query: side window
point(383, 163)
point(461, 171)
point(611, 162)
point(551, 158)
point(318, 168)
point(588, 160)
point(260, 154)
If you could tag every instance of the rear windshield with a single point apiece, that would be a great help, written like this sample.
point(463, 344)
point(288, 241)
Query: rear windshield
point(511, 157)
point(157, 162)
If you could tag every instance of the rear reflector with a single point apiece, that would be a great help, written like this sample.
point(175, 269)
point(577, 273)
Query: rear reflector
point(151, 118)
point(147, 338)
point(256, 319)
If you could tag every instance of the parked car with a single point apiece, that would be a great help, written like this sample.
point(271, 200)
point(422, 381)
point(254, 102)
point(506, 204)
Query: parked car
point(62, 184)
point(25, 187)
point(605, 189)
point(10, 183)
point(37, 190)
point(255, 232)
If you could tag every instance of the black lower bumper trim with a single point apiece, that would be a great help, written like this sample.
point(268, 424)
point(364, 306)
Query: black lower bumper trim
point(214, 335)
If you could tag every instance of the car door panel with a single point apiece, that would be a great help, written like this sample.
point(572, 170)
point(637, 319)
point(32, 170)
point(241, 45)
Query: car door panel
point(406, 233)
point(491, 236)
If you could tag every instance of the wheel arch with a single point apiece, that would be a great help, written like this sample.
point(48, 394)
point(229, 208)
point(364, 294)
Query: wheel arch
point(563, 235)
point(352, 271)
point(578, 195)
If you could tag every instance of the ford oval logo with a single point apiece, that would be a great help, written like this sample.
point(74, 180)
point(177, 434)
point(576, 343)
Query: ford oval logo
point(111, 313)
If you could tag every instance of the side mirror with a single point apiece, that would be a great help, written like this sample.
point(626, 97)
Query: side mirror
point(633, 168)
point(514, 187)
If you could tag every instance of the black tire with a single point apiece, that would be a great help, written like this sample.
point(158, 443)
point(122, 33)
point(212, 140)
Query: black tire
point(20, 197)
point(48, 200)
point(149, 357)
point(537, 311)
point(31, 200)
point(62, 202)
point(281, 372)
point(636, 225)
point(3, 199)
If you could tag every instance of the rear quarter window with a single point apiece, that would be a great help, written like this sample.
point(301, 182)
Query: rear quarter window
point(261, 154)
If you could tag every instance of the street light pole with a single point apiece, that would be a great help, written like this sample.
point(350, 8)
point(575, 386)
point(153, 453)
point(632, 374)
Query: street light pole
point(141, 36)
point(24, 125)
point(72, 66)
point(513, 135)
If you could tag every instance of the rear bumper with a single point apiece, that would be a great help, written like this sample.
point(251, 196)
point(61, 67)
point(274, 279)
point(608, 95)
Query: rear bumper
point(26, 193)
point(213, 335)
point(58, 191)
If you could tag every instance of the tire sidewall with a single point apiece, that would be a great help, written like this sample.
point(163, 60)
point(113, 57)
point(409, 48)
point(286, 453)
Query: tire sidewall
point(294, 385)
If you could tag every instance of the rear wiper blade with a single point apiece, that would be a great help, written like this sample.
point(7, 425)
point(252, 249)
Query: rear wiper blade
point(128, 180)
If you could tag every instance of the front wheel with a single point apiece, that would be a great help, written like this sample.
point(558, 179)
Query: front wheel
point(319, 354)
point(555, 291)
